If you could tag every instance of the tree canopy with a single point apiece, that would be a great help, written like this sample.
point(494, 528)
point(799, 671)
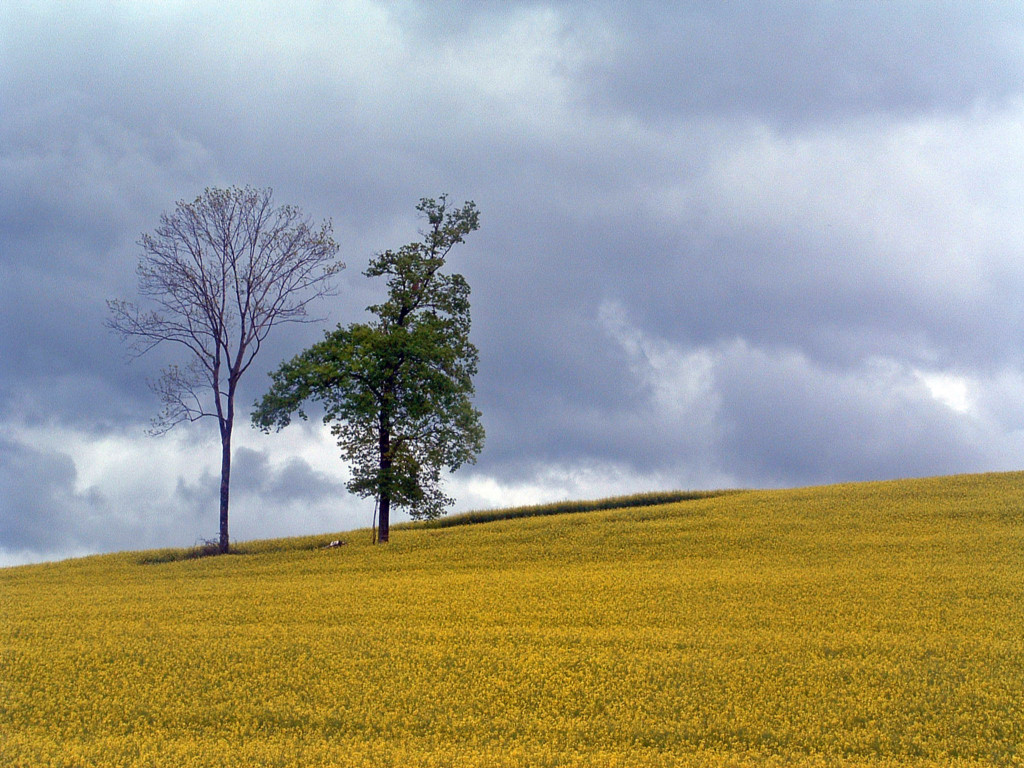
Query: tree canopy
point(397, 390)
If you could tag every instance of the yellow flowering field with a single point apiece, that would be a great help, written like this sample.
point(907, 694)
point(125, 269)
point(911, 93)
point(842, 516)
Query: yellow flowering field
point(876, 624)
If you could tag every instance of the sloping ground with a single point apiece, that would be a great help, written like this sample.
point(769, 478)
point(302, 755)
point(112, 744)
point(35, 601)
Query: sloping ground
point(868, 624)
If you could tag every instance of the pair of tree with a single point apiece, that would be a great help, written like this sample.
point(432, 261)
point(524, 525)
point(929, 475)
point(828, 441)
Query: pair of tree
point(225, 269)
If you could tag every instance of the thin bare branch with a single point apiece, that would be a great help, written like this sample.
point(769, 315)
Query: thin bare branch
point(218, 274)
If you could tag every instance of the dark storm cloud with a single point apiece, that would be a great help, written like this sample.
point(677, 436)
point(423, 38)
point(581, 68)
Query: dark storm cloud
point(794, 63)
point(721, 243)
point(51, 514)
point(76, 190)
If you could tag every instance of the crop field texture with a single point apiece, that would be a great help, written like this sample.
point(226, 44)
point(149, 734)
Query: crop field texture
point(875, 624)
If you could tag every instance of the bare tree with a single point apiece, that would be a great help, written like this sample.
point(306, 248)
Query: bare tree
point(221, 272)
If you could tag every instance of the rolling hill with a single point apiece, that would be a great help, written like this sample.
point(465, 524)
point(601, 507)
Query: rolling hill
point(870, 624)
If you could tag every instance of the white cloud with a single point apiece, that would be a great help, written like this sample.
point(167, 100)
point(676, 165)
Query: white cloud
point(126, 490)
point(950, 389)
point(572, 482)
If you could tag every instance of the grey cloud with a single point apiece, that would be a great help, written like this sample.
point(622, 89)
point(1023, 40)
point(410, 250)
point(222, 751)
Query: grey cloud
point(843, 256)
point(198, 493)
point(256, 482)
point(775, 196)
point(295, 481)
point(796, 63)
point(44, 512)
point(788, 422)
point(76, 191)
point(761, 416)
point(47, 513)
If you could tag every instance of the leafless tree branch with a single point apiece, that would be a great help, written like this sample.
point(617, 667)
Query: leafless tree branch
point(219, 273)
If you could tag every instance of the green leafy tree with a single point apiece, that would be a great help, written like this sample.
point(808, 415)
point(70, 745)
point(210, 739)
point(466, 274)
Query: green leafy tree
point(397, 391)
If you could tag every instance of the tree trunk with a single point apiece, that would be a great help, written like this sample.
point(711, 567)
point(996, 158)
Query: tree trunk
point(385, 511)
point(225, 485)
point(384, 446)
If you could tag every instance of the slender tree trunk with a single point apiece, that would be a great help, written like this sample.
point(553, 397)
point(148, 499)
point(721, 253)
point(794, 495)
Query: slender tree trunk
point(225, 484)
point(385, 511)
point(384, 446)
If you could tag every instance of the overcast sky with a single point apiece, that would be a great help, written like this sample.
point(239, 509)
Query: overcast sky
point(722, 244)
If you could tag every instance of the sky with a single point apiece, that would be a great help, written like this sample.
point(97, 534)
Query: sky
point(722, 244)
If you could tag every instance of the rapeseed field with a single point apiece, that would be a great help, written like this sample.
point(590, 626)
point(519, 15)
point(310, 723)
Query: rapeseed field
point(876, 624)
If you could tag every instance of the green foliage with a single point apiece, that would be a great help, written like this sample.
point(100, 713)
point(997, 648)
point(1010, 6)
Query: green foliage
point(397, 390)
